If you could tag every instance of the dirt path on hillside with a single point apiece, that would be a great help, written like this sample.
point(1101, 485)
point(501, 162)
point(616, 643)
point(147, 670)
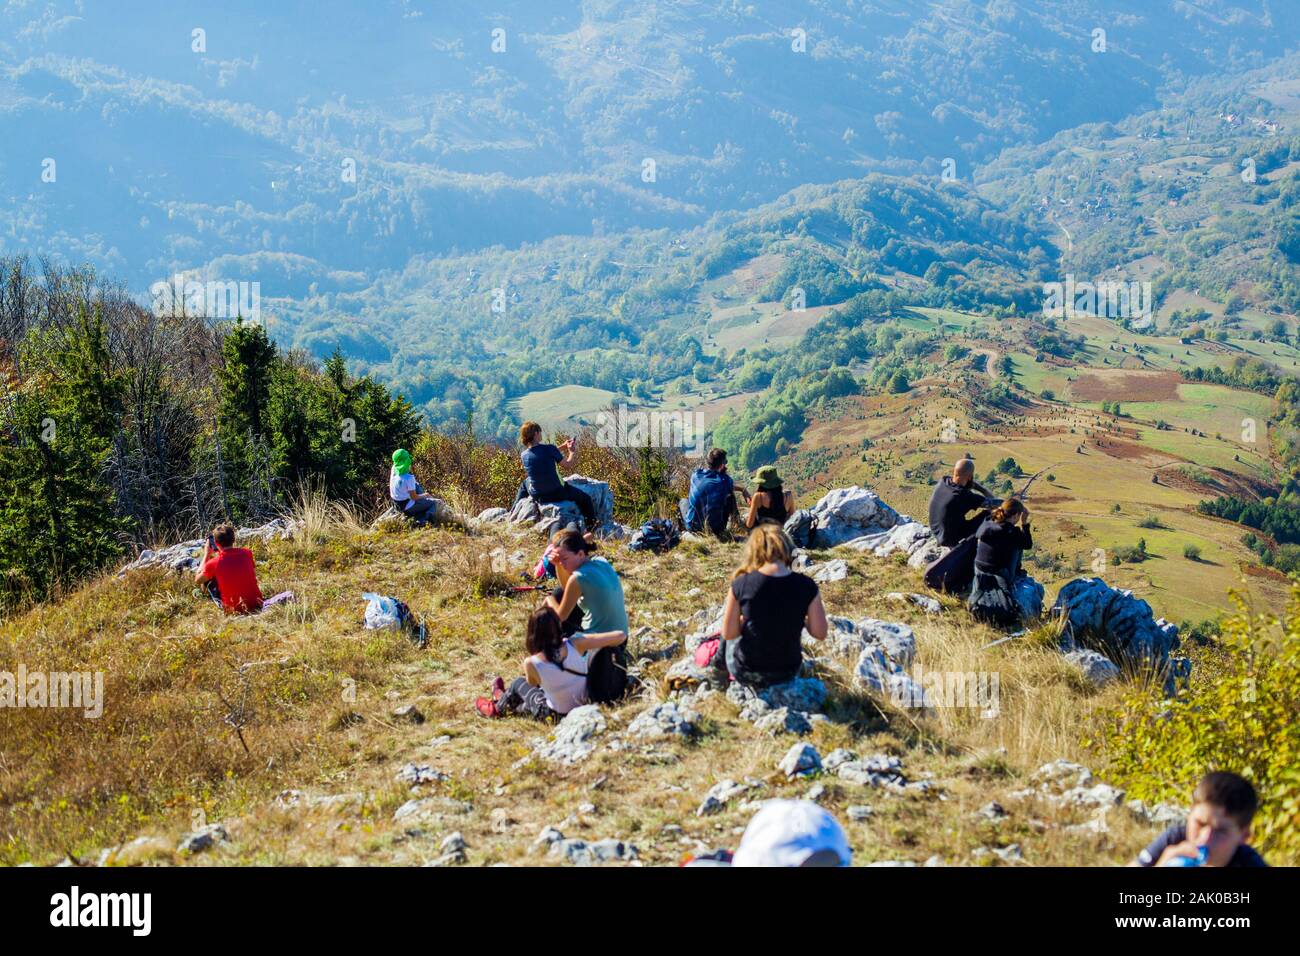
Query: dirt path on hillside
point(990, 364)
point(1069, 239)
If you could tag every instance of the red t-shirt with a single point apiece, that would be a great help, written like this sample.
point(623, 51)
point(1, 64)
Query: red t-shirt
point(233, 570)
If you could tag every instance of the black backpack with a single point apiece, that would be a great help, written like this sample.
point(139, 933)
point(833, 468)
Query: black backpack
point(657, 535)
point(606, 674)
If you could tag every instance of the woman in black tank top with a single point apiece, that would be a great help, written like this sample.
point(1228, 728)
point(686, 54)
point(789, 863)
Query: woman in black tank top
point(770, 501)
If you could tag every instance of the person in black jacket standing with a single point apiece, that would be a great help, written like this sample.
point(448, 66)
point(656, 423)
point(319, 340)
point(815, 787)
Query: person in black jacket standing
point(954, 497)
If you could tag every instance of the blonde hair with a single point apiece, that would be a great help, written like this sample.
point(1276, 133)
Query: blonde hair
point(767, 543)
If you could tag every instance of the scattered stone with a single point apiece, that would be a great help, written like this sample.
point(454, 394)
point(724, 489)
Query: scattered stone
point(1007, 854)
point(452, 843)
point(718, 796)
point(992, 811)
point(586, 808)
point(663, 720)
point(685, 674)
point(1098, 795)
point(1094, 826)
point(1099, 669)
point(548, 836)
point(572, 740)
point(287, 799)
point(799, 760)
point(203, 838)
point(859, 812)
point(784, 720)
point(1062, 774)
point(455, 858)
point(923, 601)
point(836, 757)
point(416, 774)
point(408, 713)
point(878, 771)
point(806, 694)
point(836, 570)
point(500, 820)
point(704, 623)
point(582, 853)
point(815, 792)
point(1161, 814)
point(879, 674)
point(431, 809)
point(546, 519)
point(896, 641)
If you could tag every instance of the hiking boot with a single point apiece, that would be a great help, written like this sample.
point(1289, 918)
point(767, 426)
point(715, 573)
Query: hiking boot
point(498, 689)
point(486, 707)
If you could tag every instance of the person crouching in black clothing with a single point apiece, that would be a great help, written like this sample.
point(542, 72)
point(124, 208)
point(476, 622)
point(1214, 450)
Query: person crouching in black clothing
point(953, 498)
point(1001, 540)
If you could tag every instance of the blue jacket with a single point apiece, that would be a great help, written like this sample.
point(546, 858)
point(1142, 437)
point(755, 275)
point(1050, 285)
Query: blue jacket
point(707, 504)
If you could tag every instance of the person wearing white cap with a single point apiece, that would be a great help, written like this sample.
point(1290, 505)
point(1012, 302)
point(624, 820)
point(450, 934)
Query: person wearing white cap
point(793, 833)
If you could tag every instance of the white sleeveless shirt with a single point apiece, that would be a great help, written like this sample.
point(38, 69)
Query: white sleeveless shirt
point(565, 688)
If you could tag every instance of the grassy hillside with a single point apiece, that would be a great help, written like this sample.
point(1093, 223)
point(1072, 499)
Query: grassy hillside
point(314, 695)
point(1097, 488)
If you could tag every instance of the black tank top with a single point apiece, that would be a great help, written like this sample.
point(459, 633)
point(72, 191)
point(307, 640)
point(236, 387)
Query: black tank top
point(775, 510)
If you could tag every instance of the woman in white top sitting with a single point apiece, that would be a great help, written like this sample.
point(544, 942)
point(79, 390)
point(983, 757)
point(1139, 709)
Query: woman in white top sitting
point(555, 671)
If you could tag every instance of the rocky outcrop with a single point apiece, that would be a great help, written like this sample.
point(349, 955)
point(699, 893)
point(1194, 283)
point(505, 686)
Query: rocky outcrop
point(546, 519)
point(184, 557)
point(1123, 625)
point(1028, 595)
point(848, 637)
point(910, 538)
point(573, 739)
point(846, 514)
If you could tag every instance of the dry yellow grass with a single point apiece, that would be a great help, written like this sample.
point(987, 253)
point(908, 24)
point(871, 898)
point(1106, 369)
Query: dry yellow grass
point(162, 758)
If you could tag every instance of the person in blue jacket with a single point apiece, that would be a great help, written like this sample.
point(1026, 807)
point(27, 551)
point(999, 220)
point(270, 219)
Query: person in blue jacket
point(712, 500)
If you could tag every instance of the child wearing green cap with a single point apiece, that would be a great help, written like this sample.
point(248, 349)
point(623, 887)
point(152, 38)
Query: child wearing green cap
point(408, 494)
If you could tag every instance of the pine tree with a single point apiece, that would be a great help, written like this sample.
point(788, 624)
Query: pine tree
point(57, 520)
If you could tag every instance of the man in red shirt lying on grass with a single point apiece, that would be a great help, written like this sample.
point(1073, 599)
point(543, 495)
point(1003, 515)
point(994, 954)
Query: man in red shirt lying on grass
point(232, 570)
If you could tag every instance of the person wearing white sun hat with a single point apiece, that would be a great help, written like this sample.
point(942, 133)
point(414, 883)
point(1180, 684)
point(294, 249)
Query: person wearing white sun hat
point(793, 833)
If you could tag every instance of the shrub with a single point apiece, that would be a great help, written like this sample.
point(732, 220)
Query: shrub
point(1191, 552)
point(1131, 555)
point(1239, 712)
